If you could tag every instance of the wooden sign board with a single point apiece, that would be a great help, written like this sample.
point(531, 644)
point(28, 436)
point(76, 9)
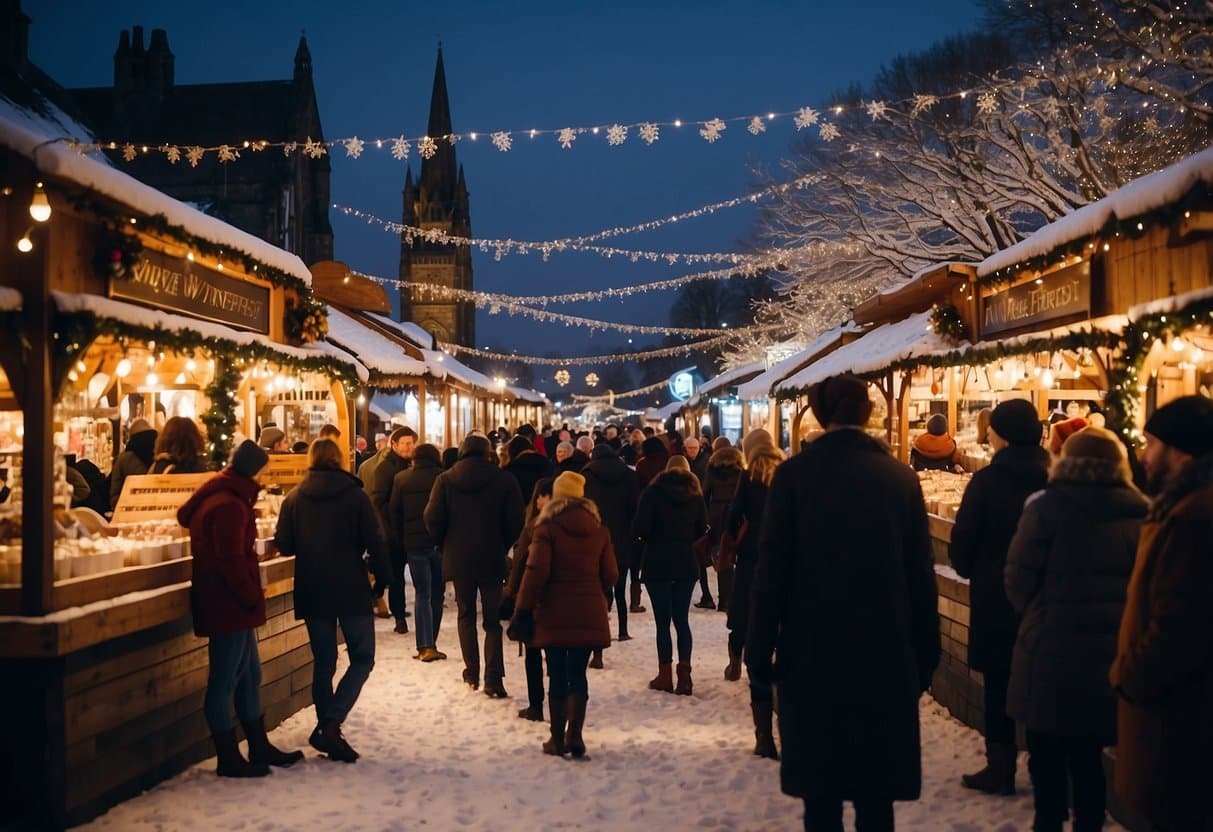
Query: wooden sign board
point(1057, 296)
point(284, 470)
point(156, 496)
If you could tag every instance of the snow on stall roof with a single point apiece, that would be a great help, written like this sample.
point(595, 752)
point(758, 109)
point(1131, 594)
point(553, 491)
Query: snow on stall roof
point(37, 139)
point(1107, 323)
point(130, 313)
point(1166, 306)
point(372, 349)
point(759, 387)
point(1139, 197)
point(526, 395)
point(744, 373)
point(10, 299)
point(877, 349)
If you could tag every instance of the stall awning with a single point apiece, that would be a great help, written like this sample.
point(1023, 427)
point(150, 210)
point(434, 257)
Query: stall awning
point(1113, 325)
point(1139, 197)
point(760, 386)
point(1166, 306)
point(732, 378)
point(878, 349)
point(154, 320)
point(378, 353)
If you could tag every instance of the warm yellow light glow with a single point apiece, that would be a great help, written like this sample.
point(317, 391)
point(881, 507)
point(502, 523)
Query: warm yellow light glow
point(40, 206)
point(25, 245)
point(123, 369)
point(152, 379)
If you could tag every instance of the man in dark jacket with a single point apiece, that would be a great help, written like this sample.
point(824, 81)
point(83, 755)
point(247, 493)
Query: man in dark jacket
point(1163, 670)
point(985, 523)
point(527, 466)
point(228, 604)
point(578, 457)
point(845, 588)
point(401, 444)
point(406, 514)
point(613, 488)
point(695, 455)
point(474, 516)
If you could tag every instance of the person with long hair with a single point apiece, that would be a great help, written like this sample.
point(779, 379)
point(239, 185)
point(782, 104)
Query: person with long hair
point(671, 516)
point(135, 459)
point(327, 522)
point(179, 448)
point(541, 495)
point(569, 568)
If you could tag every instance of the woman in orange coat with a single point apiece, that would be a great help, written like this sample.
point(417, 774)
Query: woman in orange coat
point(569, 567)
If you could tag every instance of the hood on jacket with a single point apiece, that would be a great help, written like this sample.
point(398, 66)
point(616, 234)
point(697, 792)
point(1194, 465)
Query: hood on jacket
point(143, 445)
point(677, 486)
point(654, 447)
point(422, 467)
point(935, 446)
point(227, 481)
point(608, 469)
point(726, 459)
point(529, 460)
point(326, 484)
point(576, 515)
point(1194, 476)
point(1093, 498)
point(605, 450)
point(472, 474)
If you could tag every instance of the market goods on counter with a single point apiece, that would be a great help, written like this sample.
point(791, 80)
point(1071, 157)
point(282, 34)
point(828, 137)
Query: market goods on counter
point(942, 491)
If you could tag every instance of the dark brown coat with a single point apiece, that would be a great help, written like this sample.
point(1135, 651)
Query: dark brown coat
point(1164, 665)
point(569, 567)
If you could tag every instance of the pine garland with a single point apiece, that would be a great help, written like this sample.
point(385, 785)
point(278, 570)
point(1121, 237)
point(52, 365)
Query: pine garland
point(946, 321)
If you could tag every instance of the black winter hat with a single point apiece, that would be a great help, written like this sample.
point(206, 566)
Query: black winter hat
point(602, 450)
point(1186, 424)
point(249, 458)
point(1016, 422)
point(840, 400)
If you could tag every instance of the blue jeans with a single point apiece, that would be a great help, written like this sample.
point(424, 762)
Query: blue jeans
point(235, 670)
point(672, 602)
point(426, 568)
point(566, 671)
point(359, 633)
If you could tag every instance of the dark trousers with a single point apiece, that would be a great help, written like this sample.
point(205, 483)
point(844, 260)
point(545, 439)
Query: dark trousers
point(234, 672)
point(724, 589)
point(739, 606)
point(395, 589)
point(490, 605)
point(534, 677)
point(826, 816)
point(705, 591)
point(426, 568)
point(618, 595)
point(359, 633)
point(671, 602)
point(999, 727)
point(566, 671)
point(1057, 762)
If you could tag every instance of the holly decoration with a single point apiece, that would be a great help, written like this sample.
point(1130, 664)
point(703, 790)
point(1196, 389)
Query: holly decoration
point(946, 321)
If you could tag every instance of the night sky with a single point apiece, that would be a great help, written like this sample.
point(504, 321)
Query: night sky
point(514, 66)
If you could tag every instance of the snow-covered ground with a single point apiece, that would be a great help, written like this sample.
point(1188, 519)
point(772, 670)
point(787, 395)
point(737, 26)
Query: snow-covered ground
point(438, 756)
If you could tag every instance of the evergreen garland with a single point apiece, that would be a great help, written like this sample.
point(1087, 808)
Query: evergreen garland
point(220, 417)
point(946, 321)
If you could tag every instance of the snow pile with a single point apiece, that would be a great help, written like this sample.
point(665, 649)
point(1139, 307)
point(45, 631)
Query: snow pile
point(437, 756)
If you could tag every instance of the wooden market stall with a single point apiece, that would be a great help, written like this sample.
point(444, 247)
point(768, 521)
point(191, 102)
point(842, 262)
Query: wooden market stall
point(122, 304)
point(717, 405)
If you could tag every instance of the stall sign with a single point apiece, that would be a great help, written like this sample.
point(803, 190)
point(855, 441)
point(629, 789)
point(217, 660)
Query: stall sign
point(684, 383)
point(174, 283)
point(1060, 294)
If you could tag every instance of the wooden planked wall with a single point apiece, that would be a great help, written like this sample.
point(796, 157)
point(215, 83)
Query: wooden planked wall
point(955, 686)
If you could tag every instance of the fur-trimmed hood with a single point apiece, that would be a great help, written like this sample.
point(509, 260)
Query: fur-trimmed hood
point(1089, 470)
point(677, 486)
point(577, 516)
point(725, 460)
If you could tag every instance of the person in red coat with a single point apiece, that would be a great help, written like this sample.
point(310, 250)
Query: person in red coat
point(229, 605)
point(570, 566)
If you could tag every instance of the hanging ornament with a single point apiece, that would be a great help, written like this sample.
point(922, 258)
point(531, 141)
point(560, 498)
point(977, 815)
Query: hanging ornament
point(591, 380)
point(562, 377)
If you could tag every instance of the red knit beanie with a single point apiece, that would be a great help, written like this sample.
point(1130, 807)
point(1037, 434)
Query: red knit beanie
point(1063, 431)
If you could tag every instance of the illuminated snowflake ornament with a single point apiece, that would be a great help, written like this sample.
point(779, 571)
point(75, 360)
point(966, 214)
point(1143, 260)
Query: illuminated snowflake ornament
point(427, 147)
point(400, 148)
point(617, 134)
point(756, 126)
point(502, 141)
point(562, 377)
point(649, 132)
point(591, 380)
point(566, 137)
point(987, 103)
point(711, 130)
point(828, 132)
point(805, 117)
point(353, 147)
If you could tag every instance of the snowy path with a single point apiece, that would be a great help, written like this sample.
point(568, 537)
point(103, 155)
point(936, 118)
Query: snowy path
point(437, 756)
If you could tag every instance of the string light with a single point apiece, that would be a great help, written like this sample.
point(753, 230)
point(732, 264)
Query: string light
point(39, 206)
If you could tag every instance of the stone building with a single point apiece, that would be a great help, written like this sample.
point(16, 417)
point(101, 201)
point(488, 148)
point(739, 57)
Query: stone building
point(282, 199)
point(438, 199)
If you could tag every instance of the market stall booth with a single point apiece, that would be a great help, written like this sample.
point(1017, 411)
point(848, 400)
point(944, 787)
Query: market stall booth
point(717, 405)
point(122, 309)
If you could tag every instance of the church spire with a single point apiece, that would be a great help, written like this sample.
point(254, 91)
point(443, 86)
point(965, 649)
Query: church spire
point(303, 60)
point(438, 173)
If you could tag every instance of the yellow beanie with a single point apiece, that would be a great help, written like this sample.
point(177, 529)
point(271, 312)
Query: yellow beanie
point(569, 485)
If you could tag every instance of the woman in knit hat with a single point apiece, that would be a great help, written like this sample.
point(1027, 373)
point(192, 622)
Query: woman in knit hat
point(569, 568)
point(935, 450)
point(1061, 431)
point(985, 523)
point(1067, 572)
point(725, 468)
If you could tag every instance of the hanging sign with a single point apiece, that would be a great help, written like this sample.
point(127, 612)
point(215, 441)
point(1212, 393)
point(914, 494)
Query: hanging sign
point(684, 383)
point(1064, 293)
point(178, 285)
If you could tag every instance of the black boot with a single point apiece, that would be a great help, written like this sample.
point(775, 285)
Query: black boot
point(558, 713)
point(534, 713)
point(596, 659)
point(576, 711)
point(635, 605)
point(733, 672)
point(327, 739)
point(262, 752)
point(231, 761)
point(764, 736)
point(998, 777)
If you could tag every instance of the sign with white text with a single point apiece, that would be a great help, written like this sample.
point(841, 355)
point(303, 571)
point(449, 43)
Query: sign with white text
point(1064, 293)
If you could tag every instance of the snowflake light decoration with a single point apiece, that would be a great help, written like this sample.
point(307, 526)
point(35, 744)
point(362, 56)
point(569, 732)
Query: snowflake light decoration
point(566, 137)
point(313, 149)
point(987, 103)
point(353, 147)
point(128, 152)
point(877, 109)
point(400, 148)
point(227, 153)
point(921, 104)
point(427, 147)
point(289, 148)
point(828, 132)
point(591, 380)
point(194, 155)
point(617, 134)
point(756, 126)
point(805, 117)
point(173, 154)
point(649, 132)
point(711, 130)
point(502, 141)
point(562, 377)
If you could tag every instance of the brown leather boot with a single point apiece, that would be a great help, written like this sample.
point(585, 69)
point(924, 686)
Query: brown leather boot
point(733, 672)
point(764, 736)
point(231, 761)
point(596, 660)
point(262, 752)
point(576, 710)
point(664, 680)
point(635, 604)
point(381, 610)
point(402, 626)
point(557, 709)
point(684, 687)
point(998, 777)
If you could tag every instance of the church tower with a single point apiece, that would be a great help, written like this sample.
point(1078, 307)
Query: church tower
point(438, 199)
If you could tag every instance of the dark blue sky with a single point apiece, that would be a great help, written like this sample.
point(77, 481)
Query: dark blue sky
point(544, 65)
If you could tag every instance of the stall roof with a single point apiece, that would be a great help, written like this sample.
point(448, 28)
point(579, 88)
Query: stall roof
point(375, 351)
point(10, 299)
point(1166, 306)
point(760, 386)
point(1139, 197)
point(661, 414)
point(735, 376)
point(129, 313)
point(38, 140)
point(922, 289)
point(876, 350)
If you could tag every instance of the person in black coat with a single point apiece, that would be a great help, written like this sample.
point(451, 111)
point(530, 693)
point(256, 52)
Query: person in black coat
point(474, 515)
point(1067, 573)
point(985, 524)
point(670, 517)
point(327, 522)
point(845, 601)
point(406, 517)
point(726, 467)
point(612, 486)
point(398, 457)
point(527, 466)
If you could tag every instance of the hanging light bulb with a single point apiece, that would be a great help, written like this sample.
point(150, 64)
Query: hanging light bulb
point(25, 245)
point(123, 369)
point(1046, 378)
point(180, 378)
point(1178, 345)
point(152, 379)
point(190, 365)
point(361, 400)
point(40, 206)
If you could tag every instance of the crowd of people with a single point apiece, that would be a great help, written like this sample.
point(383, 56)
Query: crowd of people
point(1091, 618)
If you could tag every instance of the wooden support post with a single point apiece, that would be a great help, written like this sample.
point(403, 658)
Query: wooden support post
point(421, 394)
point(903, 417)
point(951, 381)
point(887, 389)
